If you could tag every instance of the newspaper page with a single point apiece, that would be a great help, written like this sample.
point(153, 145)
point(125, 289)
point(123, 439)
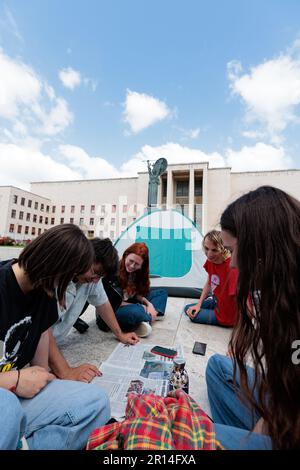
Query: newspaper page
point(134, 369)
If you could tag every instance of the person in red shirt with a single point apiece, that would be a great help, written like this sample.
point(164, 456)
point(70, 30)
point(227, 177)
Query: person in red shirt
point(217, 304)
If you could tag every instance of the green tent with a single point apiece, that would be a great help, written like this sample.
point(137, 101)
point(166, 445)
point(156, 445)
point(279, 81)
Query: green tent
point(175, 249)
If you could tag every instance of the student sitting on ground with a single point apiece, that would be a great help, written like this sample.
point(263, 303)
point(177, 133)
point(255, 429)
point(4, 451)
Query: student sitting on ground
point(51, 414)
point(83, 290)
point(259, 407)
point(217, 304)
point(135, 305)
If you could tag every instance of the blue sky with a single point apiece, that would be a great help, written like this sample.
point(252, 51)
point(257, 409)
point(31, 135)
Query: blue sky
point(92, 89)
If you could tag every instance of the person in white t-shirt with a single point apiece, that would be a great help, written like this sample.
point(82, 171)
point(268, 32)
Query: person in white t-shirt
point(84, 289)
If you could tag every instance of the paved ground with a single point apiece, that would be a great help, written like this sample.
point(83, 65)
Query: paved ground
point(95, 346)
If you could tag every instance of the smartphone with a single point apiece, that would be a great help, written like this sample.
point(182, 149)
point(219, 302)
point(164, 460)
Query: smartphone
point(164, 351)
point(199, 348)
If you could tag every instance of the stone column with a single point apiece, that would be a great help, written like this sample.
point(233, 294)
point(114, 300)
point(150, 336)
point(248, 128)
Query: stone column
point(159, 193)
point(170, 190)
point(192, 194)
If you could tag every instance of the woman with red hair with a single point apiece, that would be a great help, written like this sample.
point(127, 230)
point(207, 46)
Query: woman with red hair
point(135, 305)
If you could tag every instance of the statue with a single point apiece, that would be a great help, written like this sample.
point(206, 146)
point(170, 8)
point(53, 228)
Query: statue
point(155, 171)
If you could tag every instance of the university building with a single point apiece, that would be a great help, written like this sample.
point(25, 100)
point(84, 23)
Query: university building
point(105, 207)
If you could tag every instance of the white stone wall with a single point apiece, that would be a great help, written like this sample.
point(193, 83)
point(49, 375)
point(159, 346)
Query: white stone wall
point(288, 181)
point(4, 204)
point(115, 202)
point(118, 202)
point(7, 205)
point(218, 195)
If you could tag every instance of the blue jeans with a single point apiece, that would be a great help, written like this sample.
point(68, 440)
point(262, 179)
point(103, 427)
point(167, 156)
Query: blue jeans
point(130, 316)
point(60, 417)
point(233, 419)
point(12, 420)
point(206, 315)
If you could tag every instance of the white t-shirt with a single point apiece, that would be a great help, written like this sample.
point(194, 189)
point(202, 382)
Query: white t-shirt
point(76, 297)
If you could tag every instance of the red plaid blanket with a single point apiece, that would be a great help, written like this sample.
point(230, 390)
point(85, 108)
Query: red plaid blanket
point(157, 423)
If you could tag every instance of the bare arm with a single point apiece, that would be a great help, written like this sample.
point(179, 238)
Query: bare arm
point(31, 380)
point(192, 311)
point(41, 357)
point(58, 364)
point(204, 294)
point(108, 315)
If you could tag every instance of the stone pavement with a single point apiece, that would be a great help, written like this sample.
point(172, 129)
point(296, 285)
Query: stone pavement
point(95, 346)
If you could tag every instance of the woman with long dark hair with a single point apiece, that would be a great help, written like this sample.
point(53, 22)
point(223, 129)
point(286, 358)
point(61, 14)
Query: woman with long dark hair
point(259, 407)
point(135, 305)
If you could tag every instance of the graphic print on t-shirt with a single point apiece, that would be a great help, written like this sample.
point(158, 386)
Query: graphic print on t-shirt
point(214, 282)
point(11, 347)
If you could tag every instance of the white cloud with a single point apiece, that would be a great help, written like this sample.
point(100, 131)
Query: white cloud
point(174, 153)
point(57, 119)
point(142, 111)
point(70, 78)
point(270, 91)
point(21, 165)
point(260, 157)
point(19, 86)
point(28, 103)
point(189, 134)
point(88, 167)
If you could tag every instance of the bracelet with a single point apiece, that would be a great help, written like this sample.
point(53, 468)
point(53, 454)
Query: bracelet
point(14, 388)
point(19, 373)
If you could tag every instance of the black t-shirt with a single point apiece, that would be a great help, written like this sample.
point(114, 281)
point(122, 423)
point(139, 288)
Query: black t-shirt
point(23, 319)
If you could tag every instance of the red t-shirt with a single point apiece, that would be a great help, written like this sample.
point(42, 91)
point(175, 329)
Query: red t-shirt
point(223, 280)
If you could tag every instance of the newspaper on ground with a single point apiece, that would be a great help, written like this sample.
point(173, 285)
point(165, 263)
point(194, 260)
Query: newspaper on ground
point(134, 369)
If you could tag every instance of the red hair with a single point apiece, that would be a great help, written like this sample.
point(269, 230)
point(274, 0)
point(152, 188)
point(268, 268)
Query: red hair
point(140, 284)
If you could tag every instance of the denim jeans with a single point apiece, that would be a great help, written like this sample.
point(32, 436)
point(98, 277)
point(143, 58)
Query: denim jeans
point(206, 315)
point(130, 316)
point(60, 417)
point(12, 420)
point(233, 419)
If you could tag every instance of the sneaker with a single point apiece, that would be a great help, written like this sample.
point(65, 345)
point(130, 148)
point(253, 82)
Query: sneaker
point(160, 316)
point(81, 326)
point(143, 330)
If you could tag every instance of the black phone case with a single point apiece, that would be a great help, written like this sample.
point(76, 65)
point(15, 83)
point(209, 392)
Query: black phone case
point(199, 348)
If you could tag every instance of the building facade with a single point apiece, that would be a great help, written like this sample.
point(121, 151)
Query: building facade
point(105, 207)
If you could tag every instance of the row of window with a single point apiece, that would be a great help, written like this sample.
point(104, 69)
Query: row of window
point(63, 208)
point(93, 208)
point(34, 230)
point(35, 218)
point(38, 231)
point(182, 188)
point(29, 204)
point(41, 220)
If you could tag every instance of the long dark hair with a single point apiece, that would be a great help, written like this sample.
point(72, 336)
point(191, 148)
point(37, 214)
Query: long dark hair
point(266, 223)
point(139, 283)
point(53, 258)
point(106, 254)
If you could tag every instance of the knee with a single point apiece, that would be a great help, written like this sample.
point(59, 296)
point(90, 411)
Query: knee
point(213, 366)
point(163, 294)
point(99, 403)
point(12, 419)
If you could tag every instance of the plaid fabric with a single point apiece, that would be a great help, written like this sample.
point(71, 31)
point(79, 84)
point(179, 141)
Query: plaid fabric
point(157, 423)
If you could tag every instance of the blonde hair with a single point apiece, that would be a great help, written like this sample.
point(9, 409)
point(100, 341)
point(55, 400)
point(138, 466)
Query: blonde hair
point(214, 236)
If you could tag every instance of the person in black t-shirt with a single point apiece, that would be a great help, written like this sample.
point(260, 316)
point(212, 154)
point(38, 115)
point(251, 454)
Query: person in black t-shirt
point(49, 413)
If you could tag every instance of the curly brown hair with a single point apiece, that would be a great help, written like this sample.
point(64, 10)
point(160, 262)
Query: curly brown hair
point(139, 283)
